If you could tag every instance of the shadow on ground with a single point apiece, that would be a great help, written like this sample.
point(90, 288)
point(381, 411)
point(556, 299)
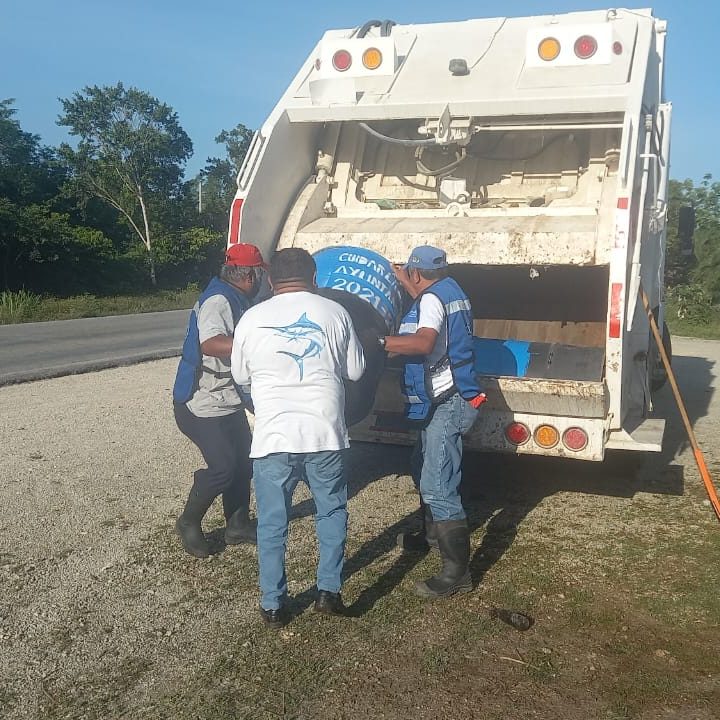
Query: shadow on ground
point(499, 491)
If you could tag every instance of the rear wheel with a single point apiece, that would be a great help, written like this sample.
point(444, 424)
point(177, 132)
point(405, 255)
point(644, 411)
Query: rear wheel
point(659, 375)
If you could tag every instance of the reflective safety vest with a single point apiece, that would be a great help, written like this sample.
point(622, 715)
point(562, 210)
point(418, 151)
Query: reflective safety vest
point(459, 357)
point(191, 366)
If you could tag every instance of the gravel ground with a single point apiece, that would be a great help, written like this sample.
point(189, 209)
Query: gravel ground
point(101, 615)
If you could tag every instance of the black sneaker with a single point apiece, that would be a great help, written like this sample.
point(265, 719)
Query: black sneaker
point(274, 619)
point(329, 603)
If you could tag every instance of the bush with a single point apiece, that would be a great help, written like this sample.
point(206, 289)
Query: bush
point(692, 303)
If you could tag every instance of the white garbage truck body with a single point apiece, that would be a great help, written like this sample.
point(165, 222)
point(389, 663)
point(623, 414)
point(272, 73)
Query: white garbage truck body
point(534, 151)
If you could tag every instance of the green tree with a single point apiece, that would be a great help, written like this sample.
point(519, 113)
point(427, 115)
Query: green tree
point(219, 175)
point(702, 268)
point(47, 253)
point(29, 172)
point(131, 154)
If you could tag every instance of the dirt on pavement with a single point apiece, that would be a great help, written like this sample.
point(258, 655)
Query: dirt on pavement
point(103, 616)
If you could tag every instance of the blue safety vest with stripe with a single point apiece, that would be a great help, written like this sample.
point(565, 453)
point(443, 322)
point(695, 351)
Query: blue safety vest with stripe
point(458, 360)
point(191, 366)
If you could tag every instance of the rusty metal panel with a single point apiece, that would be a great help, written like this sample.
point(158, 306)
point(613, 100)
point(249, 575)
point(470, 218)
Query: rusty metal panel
point(484, 241)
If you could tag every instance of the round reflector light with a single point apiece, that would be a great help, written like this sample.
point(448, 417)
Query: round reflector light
point(575, 439)
point(617, 47)
point(372, 58)
point(585, 46)
point(342, 60)
point(549, 48)
point(517, 433)
point(546, 436)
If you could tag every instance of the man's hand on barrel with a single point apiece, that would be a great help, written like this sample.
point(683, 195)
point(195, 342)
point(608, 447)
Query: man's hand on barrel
point(369, 339)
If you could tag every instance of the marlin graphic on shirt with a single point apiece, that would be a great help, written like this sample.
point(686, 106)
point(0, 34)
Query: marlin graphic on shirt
point(303, 331)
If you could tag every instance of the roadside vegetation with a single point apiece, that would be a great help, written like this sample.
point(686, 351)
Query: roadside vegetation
point(23, 306)
point(109, 224)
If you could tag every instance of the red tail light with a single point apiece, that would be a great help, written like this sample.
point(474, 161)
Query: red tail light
point(342, 60)
point(235, 213)
point(575, 439)
point(517, 433)
point(585, 46)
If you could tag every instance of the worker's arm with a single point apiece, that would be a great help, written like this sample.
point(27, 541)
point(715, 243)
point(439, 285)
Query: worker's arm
point(354, 357)
point(219, 346)
point(421, 342)
point(215, 327)
point(238, 359)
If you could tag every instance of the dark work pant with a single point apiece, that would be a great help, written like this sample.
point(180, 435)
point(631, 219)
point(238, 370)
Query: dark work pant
point(225, 446)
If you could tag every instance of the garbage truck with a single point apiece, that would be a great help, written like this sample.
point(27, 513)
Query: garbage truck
point(534, 151)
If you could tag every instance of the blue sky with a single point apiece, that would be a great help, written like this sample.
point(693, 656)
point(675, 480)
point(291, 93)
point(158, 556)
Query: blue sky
point(219, 62)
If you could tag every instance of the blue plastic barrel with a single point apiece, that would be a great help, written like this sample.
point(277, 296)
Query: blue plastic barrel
point(363, 273)
point(501, 357)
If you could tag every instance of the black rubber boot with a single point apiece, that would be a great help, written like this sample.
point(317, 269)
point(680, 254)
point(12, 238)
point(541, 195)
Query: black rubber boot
point(424, 540)
point(240, 529)
point(454, 545)
point(189, 524)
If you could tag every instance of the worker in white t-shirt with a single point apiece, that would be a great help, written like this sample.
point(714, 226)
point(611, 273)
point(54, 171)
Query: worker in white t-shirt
point(294, 350)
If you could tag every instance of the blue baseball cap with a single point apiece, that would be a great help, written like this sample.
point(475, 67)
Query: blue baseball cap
point(426, 257)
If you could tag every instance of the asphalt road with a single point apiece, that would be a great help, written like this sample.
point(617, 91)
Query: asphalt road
point(32, 351)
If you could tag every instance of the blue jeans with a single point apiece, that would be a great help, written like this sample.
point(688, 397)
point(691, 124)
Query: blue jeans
point(276, 476)
point(437, 456)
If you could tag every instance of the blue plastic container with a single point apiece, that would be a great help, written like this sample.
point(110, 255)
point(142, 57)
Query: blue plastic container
point(501, 357)
point(363, 273)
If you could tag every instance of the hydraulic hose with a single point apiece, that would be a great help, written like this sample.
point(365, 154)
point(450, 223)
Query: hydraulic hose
point(396, 141)
point(364, 29)
point(459, 158)
point(386, 27)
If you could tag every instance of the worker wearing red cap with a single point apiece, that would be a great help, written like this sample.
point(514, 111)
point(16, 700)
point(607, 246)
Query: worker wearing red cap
point(209, 407)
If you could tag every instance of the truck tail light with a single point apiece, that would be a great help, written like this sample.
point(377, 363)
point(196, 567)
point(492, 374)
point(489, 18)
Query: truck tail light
point(235, 213)
point(546, 436)
point(617, 47)
point(575, 439)
point(342, 60)
point(615, 307)
point(585, 47)
point(517, 433)
point(372, 58)
point(549, 48)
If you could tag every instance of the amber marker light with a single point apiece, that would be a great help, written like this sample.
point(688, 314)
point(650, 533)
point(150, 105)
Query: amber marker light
point(546, 436)
point(372, 58)
point(549, 48)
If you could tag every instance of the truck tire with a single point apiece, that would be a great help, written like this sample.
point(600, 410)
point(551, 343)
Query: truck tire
point(658, 376)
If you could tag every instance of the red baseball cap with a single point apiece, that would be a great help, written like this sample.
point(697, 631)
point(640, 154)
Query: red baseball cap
point(244, 255)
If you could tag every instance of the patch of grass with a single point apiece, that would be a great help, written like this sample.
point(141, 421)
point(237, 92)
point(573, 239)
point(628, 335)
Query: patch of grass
point(709, 330)
point(18, 306)
point(22, 306)
point(95, 696)
point(436, 659)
